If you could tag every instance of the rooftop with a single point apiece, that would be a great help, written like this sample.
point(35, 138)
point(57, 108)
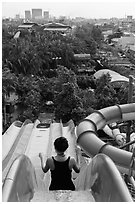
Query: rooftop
point(56, 25)
point(114, 75)
point(82, 56)
point(27, 25)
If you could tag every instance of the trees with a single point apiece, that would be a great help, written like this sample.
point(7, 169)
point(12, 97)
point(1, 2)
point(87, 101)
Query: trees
point(64, 75)
point(65, 103)
point(78, 114)
point(86, 82)
point(97, 34)
point(105, 94)
point(117, 34)
point(90, 35)
point(123, 92)
point(88, 99)
point(9, 82)
point(37, 78)
point(29, 98)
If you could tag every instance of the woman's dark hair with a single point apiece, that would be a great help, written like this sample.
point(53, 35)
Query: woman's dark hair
point(61, 144)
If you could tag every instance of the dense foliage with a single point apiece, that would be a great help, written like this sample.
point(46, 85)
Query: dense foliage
point(41, 68)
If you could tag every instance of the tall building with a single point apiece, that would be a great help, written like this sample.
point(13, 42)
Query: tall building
point(27, 15)
point(46, 15)
point(36, 13)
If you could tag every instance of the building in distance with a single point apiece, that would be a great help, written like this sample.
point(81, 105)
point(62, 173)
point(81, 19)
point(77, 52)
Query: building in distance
point(17, 17)
point(129, 18)
point(27, 15)
point(36, 13)
point(46, 15)
point(27, 25)
point(58, 27)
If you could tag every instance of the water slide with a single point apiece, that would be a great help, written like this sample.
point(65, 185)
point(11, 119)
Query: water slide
point(26, 162)
point(14, 142)
point(9, 137)
point(92, 145)
point(41, 140)
point(103, 178)
point(25, 180)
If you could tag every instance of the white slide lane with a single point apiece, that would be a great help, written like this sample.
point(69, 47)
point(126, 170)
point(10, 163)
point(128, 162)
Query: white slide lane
point(42, 140)
point(9, 137)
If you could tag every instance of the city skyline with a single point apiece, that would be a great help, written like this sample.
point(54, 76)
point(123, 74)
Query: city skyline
point(86, 9)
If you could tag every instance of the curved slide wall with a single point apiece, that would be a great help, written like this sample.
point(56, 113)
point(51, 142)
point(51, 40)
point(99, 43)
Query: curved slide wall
point(18, 147)
point(108, 186)
point(9, 137)
point(88, 140)
point(25, 165)
point(104, 179)
point(20, 181)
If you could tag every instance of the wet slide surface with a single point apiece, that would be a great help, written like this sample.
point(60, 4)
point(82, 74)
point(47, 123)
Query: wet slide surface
point(63, 196)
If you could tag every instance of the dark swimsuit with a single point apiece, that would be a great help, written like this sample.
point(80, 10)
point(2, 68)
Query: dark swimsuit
point(61, 176)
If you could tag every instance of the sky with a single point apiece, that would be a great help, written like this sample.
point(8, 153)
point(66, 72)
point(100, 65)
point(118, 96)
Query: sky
point(75, 8)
